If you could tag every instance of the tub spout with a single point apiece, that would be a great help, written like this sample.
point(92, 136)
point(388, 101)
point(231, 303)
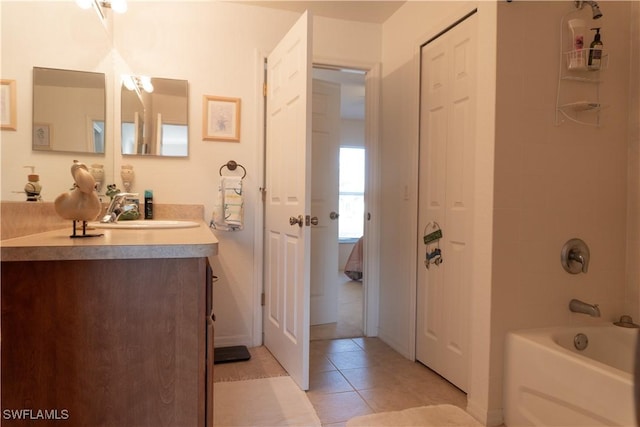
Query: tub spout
point(578, 306)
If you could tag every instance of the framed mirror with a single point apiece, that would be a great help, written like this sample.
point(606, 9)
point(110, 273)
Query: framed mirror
point(68, 111)
point(154, 116)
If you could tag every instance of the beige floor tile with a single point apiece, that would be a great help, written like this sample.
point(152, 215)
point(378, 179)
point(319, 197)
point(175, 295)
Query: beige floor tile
point(394, 399)
point(338, 407)
point(371, 343)
point(328, 382)
point(437, 391)
point(318, 362)
point(333, 346)
point(370, 377)
point(351, 359)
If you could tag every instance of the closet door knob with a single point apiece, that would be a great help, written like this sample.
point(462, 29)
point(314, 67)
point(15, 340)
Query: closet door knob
point(314, 220)
point(334, 215)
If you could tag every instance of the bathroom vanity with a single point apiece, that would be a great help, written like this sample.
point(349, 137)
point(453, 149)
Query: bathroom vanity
point(109, 331)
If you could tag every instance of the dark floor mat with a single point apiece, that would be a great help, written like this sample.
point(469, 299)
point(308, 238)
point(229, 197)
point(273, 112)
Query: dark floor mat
point(236, 353)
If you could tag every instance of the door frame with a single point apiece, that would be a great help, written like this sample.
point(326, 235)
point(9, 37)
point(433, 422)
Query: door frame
point(371, 248)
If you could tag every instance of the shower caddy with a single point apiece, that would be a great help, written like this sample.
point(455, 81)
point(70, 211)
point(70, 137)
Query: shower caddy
point(573, 72)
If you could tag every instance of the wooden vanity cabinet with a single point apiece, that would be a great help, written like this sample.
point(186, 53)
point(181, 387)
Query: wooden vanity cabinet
point(114, 342)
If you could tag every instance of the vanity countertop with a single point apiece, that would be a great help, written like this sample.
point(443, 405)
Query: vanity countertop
point(56, 245)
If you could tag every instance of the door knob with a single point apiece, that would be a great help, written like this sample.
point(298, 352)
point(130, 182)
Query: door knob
point(299, 220)
point(314, 220)
point(334, 215)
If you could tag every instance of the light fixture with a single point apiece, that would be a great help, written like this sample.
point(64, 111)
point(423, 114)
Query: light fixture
point(137, 83)
point(118, 6)
point(84, 4)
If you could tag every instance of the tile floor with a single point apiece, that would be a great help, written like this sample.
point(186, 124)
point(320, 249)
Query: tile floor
point(355, 376)
point(358, 376)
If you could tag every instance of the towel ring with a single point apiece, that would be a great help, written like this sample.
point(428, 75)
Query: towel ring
point(232, 165)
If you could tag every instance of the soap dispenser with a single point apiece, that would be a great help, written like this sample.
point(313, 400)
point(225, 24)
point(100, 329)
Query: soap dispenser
point(595, 51)
point(33, 187)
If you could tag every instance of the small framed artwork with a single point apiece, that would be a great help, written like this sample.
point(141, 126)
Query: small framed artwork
point(42, 133)
point(8, 118)
point(221, 119)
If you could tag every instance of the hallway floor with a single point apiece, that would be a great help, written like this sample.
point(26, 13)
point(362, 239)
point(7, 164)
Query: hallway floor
point(355, 376)
point(350, 307)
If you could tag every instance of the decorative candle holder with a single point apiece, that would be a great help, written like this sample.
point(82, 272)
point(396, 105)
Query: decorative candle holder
point(97, 172)
point(127, 175)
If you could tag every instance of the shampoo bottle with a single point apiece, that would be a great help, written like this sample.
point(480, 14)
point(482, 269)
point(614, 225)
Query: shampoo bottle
point(595, 51)
point(576, 58)
point(148, 204)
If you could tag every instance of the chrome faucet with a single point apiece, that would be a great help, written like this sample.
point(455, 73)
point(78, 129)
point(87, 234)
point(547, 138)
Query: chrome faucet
point(580, 258)
point(575, 256)
point(118, 206)
point(578, 306)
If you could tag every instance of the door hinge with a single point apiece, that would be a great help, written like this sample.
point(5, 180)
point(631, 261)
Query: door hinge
point(263, 192)
point(264, 90)
point(262, 299)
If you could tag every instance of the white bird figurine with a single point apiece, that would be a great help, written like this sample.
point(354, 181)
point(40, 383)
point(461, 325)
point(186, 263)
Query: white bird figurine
point(81, 203)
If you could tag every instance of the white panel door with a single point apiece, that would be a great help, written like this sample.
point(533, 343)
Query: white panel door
point(447, 145)
point(324, 200)
point(288, 174)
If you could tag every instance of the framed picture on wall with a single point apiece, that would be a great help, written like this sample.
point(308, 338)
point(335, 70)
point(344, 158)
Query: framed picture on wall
point(42, 133)
point(220, 119)
point(8, 116)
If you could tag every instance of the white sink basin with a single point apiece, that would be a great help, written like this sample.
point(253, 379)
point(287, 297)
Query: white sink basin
point(148, 224)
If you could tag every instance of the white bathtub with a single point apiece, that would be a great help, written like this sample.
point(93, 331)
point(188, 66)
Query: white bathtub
point(548, 382)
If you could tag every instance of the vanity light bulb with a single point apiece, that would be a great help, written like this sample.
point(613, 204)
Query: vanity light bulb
point(119, 6)
point(146, 84)
point(84, 4)
point(128, 82)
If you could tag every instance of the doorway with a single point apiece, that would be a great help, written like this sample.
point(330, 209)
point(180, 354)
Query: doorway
point(283, 315)
point(343, 314)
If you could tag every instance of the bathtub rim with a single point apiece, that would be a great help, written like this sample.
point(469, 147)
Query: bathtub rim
point(543, 338)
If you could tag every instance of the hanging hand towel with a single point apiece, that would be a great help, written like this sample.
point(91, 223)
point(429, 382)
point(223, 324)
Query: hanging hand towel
point(228, 213)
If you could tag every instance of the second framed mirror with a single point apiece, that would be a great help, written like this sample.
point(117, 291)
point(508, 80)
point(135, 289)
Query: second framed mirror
point(154, 116)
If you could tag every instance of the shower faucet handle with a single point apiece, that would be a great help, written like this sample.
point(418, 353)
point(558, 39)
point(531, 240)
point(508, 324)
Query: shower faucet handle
point(575, 256)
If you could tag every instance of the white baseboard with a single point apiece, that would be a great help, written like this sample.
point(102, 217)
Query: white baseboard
point(488, 417)
point(232, 340)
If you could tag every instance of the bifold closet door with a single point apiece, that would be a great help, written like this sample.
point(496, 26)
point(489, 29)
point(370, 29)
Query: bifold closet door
point(447, 144)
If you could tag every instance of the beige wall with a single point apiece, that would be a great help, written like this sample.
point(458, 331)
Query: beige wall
point(632, 292)
point(217, 47)
point(556, 182)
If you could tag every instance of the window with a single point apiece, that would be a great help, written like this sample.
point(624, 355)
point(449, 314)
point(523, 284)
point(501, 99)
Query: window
point(351, 193)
